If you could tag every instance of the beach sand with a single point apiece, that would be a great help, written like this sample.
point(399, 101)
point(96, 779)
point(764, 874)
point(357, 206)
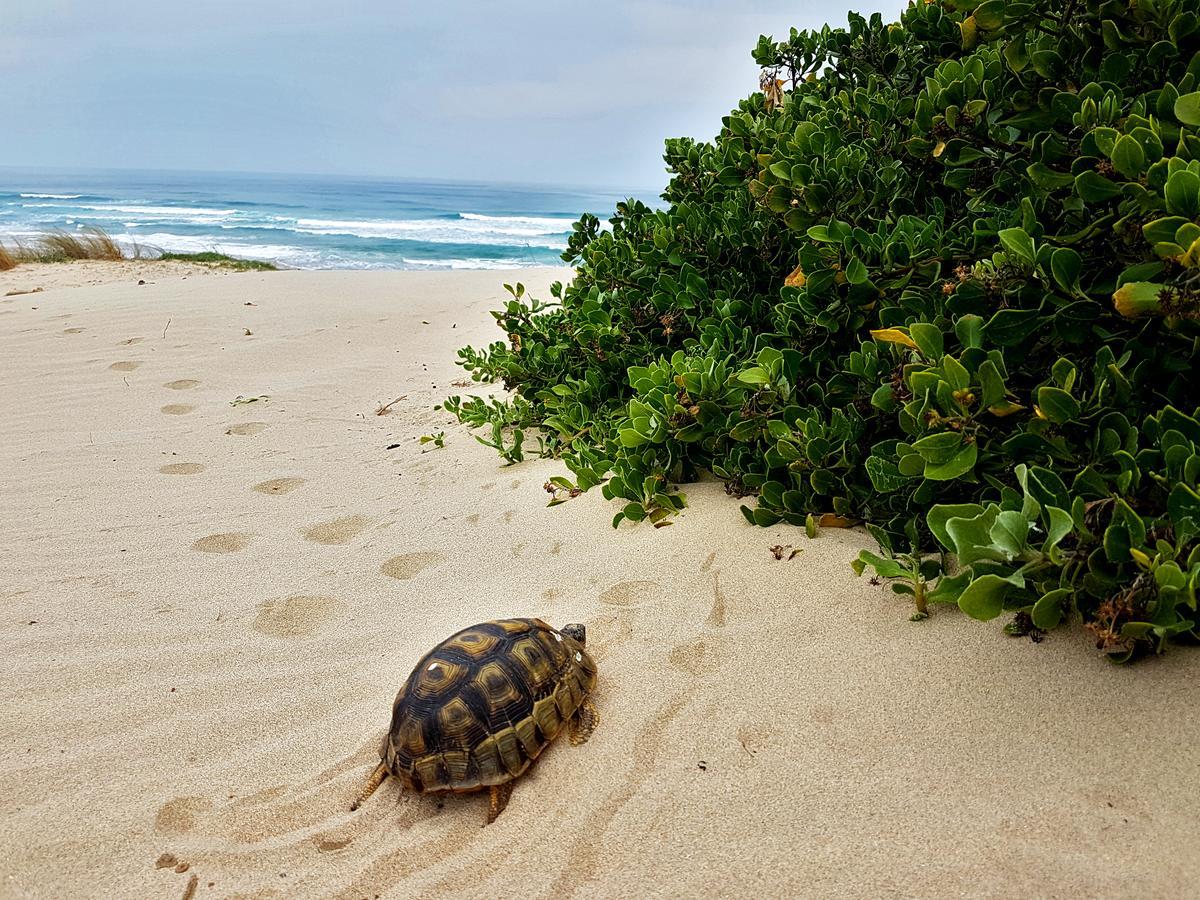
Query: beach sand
point(208, 605)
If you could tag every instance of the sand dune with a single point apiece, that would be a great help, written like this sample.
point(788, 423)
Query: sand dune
point(217, 570)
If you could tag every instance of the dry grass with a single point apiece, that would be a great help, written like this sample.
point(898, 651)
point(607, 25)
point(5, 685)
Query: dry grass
point(88, 243)
point(95, 243)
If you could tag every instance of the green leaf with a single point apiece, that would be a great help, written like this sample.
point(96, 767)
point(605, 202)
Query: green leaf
point(928, 338)
point(856, 271)
point(960, 465)
point(1182, 193)
point(1095, 188)
point(1019, 246)
point(983, 598)
point(1048, 612)
point(1057, 405)
point(885, 476)
point(885, 568)
point(939, 448)
point(1128, 157)
point(1187, 108)
point(938, 516)
point(1065, 266)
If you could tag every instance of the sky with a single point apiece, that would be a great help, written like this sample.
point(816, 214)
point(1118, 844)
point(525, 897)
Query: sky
point(530, 91)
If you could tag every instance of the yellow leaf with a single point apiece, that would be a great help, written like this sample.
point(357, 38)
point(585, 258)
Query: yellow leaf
point(893, 336)
point(1037, 411)
point(939, 149)
point(1139, 557)
point(970, 34)
point(833, 520)
point(1004, 408)
point(796, 279)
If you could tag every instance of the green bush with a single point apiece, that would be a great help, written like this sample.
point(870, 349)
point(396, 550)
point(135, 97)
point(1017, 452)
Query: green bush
point(940, 277)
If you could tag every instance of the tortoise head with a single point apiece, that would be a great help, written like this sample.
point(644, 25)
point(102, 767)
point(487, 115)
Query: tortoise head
point(576, 633)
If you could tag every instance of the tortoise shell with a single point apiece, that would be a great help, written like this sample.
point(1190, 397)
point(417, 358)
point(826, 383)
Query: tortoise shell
point(481, 706)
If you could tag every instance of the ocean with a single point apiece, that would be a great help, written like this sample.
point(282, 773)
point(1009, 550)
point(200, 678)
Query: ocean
point(305, 221)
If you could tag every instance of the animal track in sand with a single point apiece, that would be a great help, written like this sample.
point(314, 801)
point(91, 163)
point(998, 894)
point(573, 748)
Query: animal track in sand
point(178, 815)
point(182, 469)
point(336, 531)
point(128, 341)
point(177, 409)
point(516, 483)
point(182, 384)
point(125, 365)
point(509, 516)
point(556, 548)
point(473, 519)
point(707, 564)
point(296, 616)
point(409, 565)
point(72, 330)
point(279, 485)
point(222, 543)
point(246, 428)
point(630, 593)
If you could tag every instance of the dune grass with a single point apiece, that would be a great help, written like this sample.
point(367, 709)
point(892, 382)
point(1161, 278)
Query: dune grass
point(212, 258)
point(97, 244)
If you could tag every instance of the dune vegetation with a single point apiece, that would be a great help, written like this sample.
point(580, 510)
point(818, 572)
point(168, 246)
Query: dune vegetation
point(97, 244)
point(938, 278)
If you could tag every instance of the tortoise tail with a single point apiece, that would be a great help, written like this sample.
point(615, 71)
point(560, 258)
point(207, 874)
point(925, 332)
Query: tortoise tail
point(376, 779)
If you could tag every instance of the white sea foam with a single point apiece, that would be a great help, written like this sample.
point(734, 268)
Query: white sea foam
point(505, 231)
point(117, 211)
point(465, 263)
point(52, 196)
point(180, 243)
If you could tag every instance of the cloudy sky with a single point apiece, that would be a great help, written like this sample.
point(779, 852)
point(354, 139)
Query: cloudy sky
point(536, 91)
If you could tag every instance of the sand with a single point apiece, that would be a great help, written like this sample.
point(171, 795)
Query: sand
point(208, 604)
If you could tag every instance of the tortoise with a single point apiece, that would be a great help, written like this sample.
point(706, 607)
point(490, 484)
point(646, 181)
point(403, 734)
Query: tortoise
point(481, 706)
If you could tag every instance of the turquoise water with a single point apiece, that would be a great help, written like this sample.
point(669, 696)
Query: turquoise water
point(311, 222)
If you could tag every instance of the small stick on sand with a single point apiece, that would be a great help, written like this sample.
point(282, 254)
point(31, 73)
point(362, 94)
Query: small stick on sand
point(190, 891)
point(165, 327)
point(382, 411)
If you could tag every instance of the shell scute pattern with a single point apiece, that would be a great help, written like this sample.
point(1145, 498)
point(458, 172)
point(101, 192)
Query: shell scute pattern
point(483, 704)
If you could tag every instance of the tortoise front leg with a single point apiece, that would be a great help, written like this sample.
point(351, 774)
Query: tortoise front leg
point(584, 722)
point(498, 799)
point(376, 779)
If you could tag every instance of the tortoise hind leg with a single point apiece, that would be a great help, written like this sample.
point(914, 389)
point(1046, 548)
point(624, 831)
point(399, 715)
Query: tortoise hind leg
point(584, 722)
point(373, 782)
point(498, 799)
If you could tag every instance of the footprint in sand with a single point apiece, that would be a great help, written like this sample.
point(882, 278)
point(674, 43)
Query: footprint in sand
point(279, 485)
point(246, 428)
point(409, 565)
point(295, 616)
point(182, 469)
point(183, 384)
point(695, 657)
point(72, 330)
point(337, 531)
point(125, 365)
point(630, 593)
point(222, 543)
point(178, 815)
point(177, 409)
